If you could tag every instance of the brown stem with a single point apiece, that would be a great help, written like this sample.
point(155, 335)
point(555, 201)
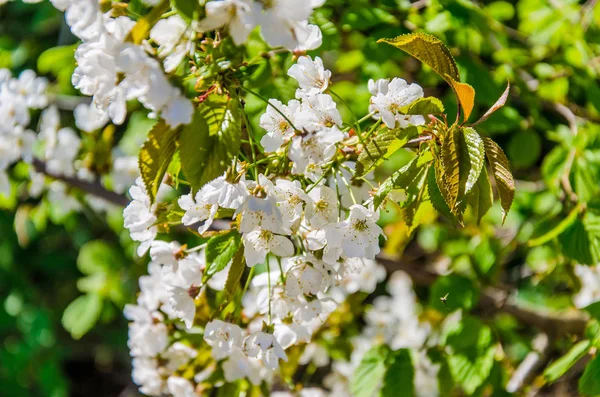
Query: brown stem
point(93, 188)
point(494, 300)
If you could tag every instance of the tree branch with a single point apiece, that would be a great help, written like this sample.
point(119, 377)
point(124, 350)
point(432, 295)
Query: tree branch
point(494, 300)
point(93, 188)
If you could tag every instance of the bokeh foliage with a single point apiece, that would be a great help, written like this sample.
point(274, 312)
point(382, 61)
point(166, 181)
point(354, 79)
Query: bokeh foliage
point(65, 277)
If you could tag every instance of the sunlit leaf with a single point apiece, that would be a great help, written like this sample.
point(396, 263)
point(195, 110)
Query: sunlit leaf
point(82, 314)
point(505, 183)
point(436, 197)
point(208, 144)
point(481, 197)
point(368, 375)
point(429, 50)
point(220, 250)
point(155, 155)
point(473, 158)
point(558, 229)
point(382, 147)
point(465, 95)
point(448, 167)
point(238, 264)
point(424, 106)
point(559, 367)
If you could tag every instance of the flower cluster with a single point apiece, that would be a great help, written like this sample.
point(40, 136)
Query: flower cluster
point(113, 70)
point(56, 146)
point(283, 22)
point(311, 231)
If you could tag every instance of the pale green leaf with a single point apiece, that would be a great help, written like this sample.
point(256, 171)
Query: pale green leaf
point(220, 250)
point(238, 264)
point(505, 183)
point(424, 106)
point(405, 178)
point(556, 230)
point(481, 197)
point(209, 143)
point(472, 159)
point(436, 197)
point(82, 314)
point(581, 240)
point(559, 367)
point(189, 10)
point(448, 167)
point(369, 374)
point(97, 257)
point(382, 147)
point(155, 156)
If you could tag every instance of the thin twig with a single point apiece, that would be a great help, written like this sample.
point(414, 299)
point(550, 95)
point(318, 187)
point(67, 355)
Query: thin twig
point(93, 188)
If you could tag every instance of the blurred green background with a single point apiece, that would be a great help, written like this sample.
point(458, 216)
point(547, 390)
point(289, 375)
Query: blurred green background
point(65, 279)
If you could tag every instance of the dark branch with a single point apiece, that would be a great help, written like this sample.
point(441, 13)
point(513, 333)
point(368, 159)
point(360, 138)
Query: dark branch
point(494, 300)
point(93, 188)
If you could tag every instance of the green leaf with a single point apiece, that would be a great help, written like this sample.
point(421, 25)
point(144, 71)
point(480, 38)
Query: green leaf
point(471, 371)
point(208, 144)
point(581, 241)
point(589, 383)
point(436, 197)
point(558, 229)
point(382, 147)
point(448, 167)
point(424, 106)
point(399, 376)
point(472, 159)
point(405, 178)
point(82, 314)
point(559, 367)
point(53, 58)
point(189, 10)
point(155, 156)
point(142, 27)
point(459, 293)
point(481, 196)
point(429, 50)
point(473, 352)
point(369, 374)
point(220, 250)
point(97, 257)
point(505, 183)
point(238, 264)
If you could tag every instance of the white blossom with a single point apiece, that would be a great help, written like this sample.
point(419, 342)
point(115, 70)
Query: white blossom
point(223, 338)
point(312, 77)
point(139, 217)
point(237, 15)
point(279, 130)
point(391, 97)
point(266, 347)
